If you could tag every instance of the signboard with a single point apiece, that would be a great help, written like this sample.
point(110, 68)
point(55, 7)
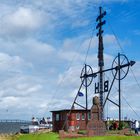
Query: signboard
point(105, 87)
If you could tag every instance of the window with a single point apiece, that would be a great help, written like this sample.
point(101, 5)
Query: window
point(77, 127)
point(57, 117)
point(83, 116)
point(77, 116)
point(89, 115)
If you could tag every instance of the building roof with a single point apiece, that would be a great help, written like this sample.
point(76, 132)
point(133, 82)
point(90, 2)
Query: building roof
point(67, 110)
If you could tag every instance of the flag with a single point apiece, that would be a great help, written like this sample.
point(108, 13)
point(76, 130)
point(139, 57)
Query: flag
point(80, 94)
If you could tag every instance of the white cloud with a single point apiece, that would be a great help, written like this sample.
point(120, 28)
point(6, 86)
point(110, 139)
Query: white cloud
point(19, 86)
point(20, 22)
point(36, 47)
point(30, 50)
point(12, 63)
point(10, 101)
point(69, 56)
point(109, 39)
point(27, 88)
point(24, 18)
point(70, 78)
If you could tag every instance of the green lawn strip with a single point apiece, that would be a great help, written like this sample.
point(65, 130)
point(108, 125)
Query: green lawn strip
point(43, 136)
point(108, 138)
point(55, 136)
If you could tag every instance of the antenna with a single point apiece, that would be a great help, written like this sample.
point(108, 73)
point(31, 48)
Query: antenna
point(100, 55)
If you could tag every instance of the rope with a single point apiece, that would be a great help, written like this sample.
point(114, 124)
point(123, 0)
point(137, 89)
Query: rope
point(115, 36)
point(131, 107)
point(135, 77)
point(91, 38)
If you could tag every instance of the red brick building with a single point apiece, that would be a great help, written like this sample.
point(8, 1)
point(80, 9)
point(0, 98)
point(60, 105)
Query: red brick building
point(66, 119)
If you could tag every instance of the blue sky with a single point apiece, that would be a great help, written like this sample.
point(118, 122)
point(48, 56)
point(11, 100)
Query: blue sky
point(43, 45)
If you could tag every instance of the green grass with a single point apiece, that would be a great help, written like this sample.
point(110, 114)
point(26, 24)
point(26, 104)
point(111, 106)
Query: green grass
point(45, 136)
point(54, 136)
point(109, 138)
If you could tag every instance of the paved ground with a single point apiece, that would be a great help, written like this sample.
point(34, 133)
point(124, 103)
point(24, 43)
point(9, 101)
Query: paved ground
point(4, 137)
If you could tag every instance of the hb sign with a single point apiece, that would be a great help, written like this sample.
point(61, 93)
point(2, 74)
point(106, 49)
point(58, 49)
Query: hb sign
point(105, 87)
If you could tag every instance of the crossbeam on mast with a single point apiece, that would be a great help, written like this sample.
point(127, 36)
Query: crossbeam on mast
point(131, 63)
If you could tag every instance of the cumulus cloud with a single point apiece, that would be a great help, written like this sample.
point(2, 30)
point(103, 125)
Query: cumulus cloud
point(23, 18)
point(9, 64)
point(71, 77)
point(39, 50)
point(20, 22)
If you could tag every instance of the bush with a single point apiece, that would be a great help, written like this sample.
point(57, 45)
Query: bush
point(123, 125)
